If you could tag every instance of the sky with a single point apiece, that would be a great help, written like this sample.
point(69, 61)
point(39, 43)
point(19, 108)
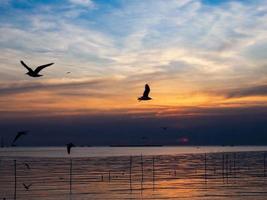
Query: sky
point(205, 61)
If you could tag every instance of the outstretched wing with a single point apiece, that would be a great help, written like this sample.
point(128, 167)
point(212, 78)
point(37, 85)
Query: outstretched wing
point(147, 90)
point(16, 138)
point(39, 68)
point(19, 134)
point(29, 69)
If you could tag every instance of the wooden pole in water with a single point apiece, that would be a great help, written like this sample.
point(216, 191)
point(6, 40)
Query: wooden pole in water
point(223, 166)
point(205, 163)
point(70, 176)
point(264, 164)
point(230, 165)
point(226, 158)
point(234, 167)
point(109, 177)
point(153, 172)
point(142, 168)
point(130, 174)
point(142, 172)
point(15, 176)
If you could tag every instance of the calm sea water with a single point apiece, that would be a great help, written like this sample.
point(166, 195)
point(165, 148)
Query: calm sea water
point(195, 173)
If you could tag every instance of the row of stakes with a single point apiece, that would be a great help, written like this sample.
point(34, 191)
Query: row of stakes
point(227, 165)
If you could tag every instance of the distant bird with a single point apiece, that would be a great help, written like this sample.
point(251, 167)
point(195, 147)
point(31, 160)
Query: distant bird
point(145, 96)
point(19, 134)
point(35, 73)
point(164, 128)
point(27, 187)
point(68, 73)
point(27, 165)
point(69, 146)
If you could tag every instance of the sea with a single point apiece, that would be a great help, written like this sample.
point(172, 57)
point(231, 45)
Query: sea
point(163, 172)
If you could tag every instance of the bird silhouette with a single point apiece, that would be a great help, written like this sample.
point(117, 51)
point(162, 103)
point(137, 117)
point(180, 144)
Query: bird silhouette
point(27, 165)
point(145, 96)
point(35, 73)
point(69, 146)
point(19, 134)
point(27, 187)
point(164, 128)
point(68, 72)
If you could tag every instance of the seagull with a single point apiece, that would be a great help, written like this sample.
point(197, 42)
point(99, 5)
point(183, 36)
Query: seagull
point(35, 73)
point(145, 96)
point(19, 134)
point(27, 165)
point(164, 128)
point(27, 187)
point(69, 146)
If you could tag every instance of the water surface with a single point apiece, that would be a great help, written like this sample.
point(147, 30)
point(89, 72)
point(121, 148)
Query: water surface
point(195, 173)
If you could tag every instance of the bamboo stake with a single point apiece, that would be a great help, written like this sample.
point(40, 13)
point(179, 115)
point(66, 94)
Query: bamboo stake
point(153, 172)
point(15, 176)
point(130, 174)
point(70, 176)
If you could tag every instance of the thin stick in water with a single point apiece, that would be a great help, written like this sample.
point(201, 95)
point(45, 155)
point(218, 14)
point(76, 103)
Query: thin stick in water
point(15, 176)
point(142, 172)
point(70, 176)
point(264, 164)
point(130, 174)
point(205, 164)
point(153, 172)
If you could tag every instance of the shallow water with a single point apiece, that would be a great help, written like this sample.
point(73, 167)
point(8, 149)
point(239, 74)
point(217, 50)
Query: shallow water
point(111, 173)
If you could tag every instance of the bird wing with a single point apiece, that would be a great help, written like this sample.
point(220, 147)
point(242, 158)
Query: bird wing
point(28, 68)
point(24, 185)
point(27, 165)
point(39, 68)
point(16, 138)
point(19, 134)
point(147, 90)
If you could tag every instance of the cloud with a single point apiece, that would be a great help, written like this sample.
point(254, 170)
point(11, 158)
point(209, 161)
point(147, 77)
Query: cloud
point(28, 87)
point(180, 48)
point(85, 3)
point(259, 90)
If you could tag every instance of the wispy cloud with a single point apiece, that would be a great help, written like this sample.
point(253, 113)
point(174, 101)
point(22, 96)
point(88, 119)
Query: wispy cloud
point(86, 3)
point(259, 90)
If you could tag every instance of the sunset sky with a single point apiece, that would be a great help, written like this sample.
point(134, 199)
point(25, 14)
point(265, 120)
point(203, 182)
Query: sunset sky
point(205, 61)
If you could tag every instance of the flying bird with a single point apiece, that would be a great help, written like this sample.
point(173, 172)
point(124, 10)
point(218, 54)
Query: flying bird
point(69, 146)
point(19, 134)
point(35, 73)
point(67, 72)
point(27, 165)
point(145, 96)
point(27, 187)
point(164, 128)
